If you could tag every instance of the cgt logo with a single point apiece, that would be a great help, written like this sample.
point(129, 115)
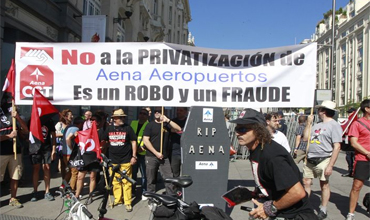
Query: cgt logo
point(36, 75)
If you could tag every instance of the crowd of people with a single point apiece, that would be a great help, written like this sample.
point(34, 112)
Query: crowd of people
point(134, 147)
point(152, 144)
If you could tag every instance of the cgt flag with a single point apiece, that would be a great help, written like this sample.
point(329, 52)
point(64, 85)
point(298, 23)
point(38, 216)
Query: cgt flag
point(89, 144)
point(8, 89)
point(42, 110)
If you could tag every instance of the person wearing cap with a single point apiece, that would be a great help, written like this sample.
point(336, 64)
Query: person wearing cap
point(323, 150)
point(359, 134)
point(139, 126)
point(278, 179)
point(350, 155)
point(156, 157)
point(122, 150)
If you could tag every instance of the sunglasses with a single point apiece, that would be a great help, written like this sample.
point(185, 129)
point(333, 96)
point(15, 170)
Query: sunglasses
point(242, 130)
point(158, 110)
point(143, 113)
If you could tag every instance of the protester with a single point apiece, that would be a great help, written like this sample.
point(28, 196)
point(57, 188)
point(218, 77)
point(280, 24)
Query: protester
point(91, 165)
point(43, 156)
point(325, 139)
point(7, 157)
point(122, 151)
point(87, 123)
point(65, 119)
point(283, 128)
point(350, 155)
point(157, 153)
point(277, 177)
point(300, 144)
point(139, 126)
point(69, 150)
point(273, 125)
point(359, 134)
point(175, 159)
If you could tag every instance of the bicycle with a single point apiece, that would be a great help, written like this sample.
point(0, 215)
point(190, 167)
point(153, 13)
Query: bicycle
point(78, 211)
point(173, 207)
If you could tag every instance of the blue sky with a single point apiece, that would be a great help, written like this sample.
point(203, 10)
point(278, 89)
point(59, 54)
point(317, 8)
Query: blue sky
point(247, 24)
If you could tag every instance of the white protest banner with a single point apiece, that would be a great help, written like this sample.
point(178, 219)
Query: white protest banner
point(164, 74)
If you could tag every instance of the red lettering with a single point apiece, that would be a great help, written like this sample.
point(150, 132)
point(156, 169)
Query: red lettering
point(71, 57)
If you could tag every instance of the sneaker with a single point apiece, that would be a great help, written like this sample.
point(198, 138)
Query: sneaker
point(322, 215)
point(34, 196)
point(15, 203)
point(350, 216)
point(144, 198)
point(49, 197)
point(89, 200)
point(347, 175)
point(128, 208)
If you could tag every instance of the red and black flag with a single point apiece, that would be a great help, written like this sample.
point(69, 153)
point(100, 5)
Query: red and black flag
point(42, 110)
point(89, 144)
point(346, 124)
point(8, 89)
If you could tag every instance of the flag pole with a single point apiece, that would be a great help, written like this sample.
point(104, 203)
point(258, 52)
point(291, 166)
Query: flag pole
point(345, 130)
point(14, 129)
point(161, 149)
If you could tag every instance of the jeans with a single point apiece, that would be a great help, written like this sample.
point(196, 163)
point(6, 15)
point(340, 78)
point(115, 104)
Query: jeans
point(140, 165)
point(350, 158)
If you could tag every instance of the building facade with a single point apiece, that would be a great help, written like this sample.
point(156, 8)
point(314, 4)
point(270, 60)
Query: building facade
point(350, 81)
point(61, 21)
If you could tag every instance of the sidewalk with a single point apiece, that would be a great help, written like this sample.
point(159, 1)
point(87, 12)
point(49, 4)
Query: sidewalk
point(239, 174)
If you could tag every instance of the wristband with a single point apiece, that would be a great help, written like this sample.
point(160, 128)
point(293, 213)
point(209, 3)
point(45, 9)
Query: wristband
point(134, 157)
point(169, 121)
point(269, 208)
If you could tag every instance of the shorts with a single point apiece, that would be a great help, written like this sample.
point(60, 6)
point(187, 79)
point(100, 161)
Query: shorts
point(42, 157)
point(14, 166)
point(311, 171)
point(362, 170)
point(92, 167)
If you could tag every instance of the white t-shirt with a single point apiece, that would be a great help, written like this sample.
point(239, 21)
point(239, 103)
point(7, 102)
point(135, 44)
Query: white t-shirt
point(281, 139)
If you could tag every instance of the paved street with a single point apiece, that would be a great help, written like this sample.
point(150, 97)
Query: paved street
point(239, 174)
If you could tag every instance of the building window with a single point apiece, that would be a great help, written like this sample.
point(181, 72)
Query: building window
point(169, 36)
point(91, 7)
point(155, 9)
point(170, 15)
point(178, 21)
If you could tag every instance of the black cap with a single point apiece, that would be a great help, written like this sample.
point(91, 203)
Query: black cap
point(351, 110)
point(250, 116)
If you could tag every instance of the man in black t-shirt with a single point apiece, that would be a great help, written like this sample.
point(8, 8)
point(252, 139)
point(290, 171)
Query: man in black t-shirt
point(122, 150)
point(157, 153)
point(277, 177)
point(43, 156)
